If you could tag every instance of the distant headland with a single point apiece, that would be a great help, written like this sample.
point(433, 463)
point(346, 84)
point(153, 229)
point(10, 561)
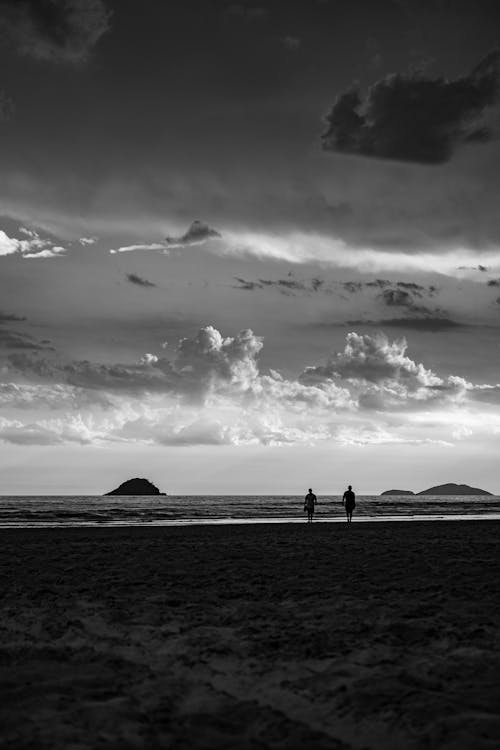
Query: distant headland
point(136, 486)
point(442, 489)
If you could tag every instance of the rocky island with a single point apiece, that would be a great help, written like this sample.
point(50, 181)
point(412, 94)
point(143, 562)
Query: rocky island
point(441, 489)
point(136, 486)
point(454, 489)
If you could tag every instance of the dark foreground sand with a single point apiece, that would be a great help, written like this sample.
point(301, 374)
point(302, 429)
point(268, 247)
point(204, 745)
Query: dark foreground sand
point(327, 636)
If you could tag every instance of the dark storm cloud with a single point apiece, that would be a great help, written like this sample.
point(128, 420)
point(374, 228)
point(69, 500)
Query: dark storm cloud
point(429, 324)
point(197, 233)
point(56, 30)
point(134, 278)
point(414, 118)
point(493, 282)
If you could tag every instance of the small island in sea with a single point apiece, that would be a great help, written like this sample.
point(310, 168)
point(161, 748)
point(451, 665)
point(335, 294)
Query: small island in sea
point(136, 486)
point(397, 492)
point(454, 489)
point(442, 489)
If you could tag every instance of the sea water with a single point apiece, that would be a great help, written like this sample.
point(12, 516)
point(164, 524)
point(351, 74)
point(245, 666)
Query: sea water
point(174, 510)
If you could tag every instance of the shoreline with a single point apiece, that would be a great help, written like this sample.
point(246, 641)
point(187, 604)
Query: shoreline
point(196, 522)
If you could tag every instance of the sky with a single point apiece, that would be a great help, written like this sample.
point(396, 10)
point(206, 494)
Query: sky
point(249, 247)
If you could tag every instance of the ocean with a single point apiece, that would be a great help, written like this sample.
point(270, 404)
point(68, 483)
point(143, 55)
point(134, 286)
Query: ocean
point(172, 510)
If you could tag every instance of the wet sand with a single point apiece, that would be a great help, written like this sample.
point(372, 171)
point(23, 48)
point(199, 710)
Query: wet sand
point(270, 636)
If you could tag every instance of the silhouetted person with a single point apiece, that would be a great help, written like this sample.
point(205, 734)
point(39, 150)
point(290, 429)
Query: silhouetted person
point(349, 502)
point(310, 501)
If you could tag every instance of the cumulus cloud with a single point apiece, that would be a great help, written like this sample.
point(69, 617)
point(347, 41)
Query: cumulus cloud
point(381, 376)
point(61, 31)
point(414, 118)
point(87, 240)
point(212, 391)
point(54, 396)
point(34, 246)
point(134, 278)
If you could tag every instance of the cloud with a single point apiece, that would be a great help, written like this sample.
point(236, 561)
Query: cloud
point(132, 248)
point(134, 278)
point(54, 396)
point(402, 298)
point(371, 358)
point(87, 240)
point(34, 247)
point(18, 433)
point(72, 429)
point(381, 376)
point(212, 391)
point(428, 323)
point(51, 252)
point(13, 339)
point(60, 31)
point(196, 234)
point(287, 287)
point(480, 268)
point(414, 118)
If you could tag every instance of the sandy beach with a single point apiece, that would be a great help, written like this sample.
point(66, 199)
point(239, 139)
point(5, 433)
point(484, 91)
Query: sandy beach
point(322, 636)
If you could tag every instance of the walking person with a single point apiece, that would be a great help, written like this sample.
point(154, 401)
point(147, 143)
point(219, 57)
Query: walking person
point(310, 502)
point(349, 502)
